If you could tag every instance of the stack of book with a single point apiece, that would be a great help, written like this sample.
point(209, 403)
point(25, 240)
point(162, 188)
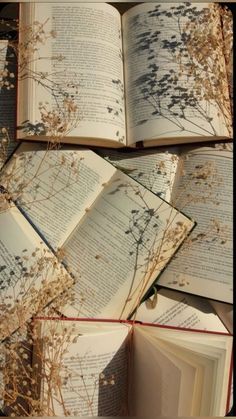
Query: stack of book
point(116, 265)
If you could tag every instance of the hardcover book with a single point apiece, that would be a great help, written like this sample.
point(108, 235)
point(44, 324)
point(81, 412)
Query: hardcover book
point(158, 74)
point(112, 368)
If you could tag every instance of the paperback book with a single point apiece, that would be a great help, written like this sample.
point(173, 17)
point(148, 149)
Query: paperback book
point(159, 74)
point(116, 237)
point(199, 182)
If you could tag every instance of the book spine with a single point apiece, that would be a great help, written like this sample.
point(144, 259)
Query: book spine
point(132, 322)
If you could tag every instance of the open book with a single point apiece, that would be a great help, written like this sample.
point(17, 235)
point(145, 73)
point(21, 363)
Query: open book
point(30, 274)
point(155, 75)
point(110, 368)
point(113, 234)
point(199, 182)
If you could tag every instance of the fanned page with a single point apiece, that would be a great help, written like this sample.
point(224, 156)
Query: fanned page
point(92, 366)
point(204, 189)
point(180, 310)
point(191, 369)
point(77, 69)
point(175, 76)
point(28, 270)
point(152, 168)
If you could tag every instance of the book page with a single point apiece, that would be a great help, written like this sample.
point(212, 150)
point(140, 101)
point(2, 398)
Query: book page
point(217, 348)
point(54, 187)
point(211, 352)
point(181, 310)
point(204, 264)
point(173, 63)
point(153, 169)
point(81, 58)
point(27, 271)
point(195, 387)
point(120, 247)
point(92, 372)
point(157, 378)
point(7, 101)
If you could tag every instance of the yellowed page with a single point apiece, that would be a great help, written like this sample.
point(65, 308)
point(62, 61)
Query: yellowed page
point(207, 348)
point(161, 377)
point(154, 169)
point(219, 349)
point(204, 191)
point(82, 57)
point(196, 375)
point(55, 187)
point(93, 370)
point(172, 88)
point(7, 101)
point(28, 271)
point(115, 235)
point(120, 247)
